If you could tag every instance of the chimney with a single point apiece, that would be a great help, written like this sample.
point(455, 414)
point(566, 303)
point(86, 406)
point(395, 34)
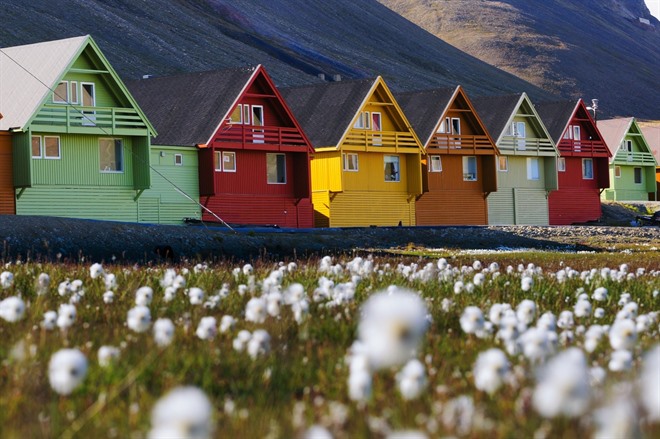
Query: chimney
point(147, 76)
point(336, 77)
point(321, 76)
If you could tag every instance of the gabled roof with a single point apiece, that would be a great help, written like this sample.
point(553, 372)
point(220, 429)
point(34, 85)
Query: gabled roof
point(326, 111)
point(29, 73)
point(496, 112)
point(557, 115)
point(187, 109)
point(424, 108)
point(614, 131)
point(652, 136)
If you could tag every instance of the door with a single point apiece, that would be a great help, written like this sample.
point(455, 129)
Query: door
point(88, 100)
point(257, 121)
point(456, 129)
point(521, 134)
point(577, 137)
point(376, 125)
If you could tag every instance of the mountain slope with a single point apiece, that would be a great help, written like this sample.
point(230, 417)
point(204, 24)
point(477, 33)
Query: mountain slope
point(586, 48)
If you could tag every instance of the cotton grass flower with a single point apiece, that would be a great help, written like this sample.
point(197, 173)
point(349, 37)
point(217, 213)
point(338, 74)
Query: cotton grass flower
point(184, 412)
point(207, 328)
point(259, 344)
point(391, 326)
point(227, 322)
point(649, 383)
point(43, 283)
point(67, 370)
point(163, 332)
point(12, 309)
point(256, 310)
point(143, 296)
point(620, 360)
point(6, 279)
point(95, 271)
point(139, 318)
point(536, 344)
point(50, 320)
point(623, 334)
point(599, 294)
point(241, 339)
point(411, 379)
point(490, 370)
point(526, 311)
point(618, 419)
point(359, 378)
point(196, 296)
point(472, 320)
point(317, 432)
point(66, 316)
point(563, 387)
point(107, 355)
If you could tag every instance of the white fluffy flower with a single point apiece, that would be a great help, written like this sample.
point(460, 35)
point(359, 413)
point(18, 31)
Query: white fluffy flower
point(565, 320)
point(241, 340)
point(50, 320)
point(599, 294)
point(412, 379)
point(623, 334)
point(66, 316)
point(526, 283)
point(66, 370)
point(110, 281)
point(184, 412)
point(472, 320)
point(95, 270)
point(599, 313)
point(536, 344)
point(108, 297)
point(139, 318)
point(6, 279)
point(563, 388)
point(620, 360)
point(526, 311)
point(259, 344)
point(143, 296)
point(207, 328)
point(649, 383)
point(618, 419)
point(43, 283)
point(391, 326)
point(490, 369)
point(582, 308)
point(196, 296)
point(163, 332)
point(227, 322)
point(107, 355)
point(12, 309)
point(359, 378)
point(255, 310)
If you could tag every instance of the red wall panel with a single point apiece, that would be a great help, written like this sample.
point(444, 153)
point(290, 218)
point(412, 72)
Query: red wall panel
point(577, 200)
point(260, 210)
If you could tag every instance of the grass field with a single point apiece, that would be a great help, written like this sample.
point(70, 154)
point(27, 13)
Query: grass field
point(307, 371)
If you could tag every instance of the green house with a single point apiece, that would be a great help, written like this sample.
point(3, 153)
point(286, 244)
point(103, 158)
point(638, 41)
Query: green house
point(632, 166)
point(527, 164)
point(80, 145)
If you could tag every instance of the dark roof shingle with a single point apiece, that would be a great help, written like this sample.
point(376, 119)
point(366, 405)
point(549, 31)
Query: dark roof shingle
point(495, 112)
point(424, 108)
point(555, 116)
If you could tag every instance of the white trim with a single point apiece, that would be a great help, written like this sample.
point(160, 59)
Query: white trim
point(585, 160)
point(59, 148)
point(506, 164)
point(227, 154)
point(57, 99)
point(178, 162)
point(617, 174)
point(469, 176)
point(41, 147)
point(345, 162)
point(114, 144)
point(438, 159)
point(533, 168)
point(561, 164)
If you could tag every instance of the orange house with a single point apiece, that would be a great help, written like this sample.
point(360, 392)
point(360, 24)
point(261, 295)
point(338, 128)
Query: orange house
point(7, 204)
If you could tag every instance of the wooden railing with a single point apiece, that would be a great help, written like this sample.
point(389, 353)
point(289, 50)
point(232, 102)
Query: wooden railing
point(524, 144)
point(368, 140)
point(569, 147)
point(266, 135)
point(635, 158)
point(78, 119)
point(461, 144)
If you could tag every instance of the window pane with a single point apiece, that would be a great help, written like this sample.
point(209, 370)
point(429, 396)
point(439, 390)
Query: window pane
point(237, 115)
point(52, 147)
point(436, 163)
point(61, 94)
point(587, 169)
point(178, 159)
point(376, 122)
point(561, 164)
point(228, 161)
point(470, 168)
point(36, 147)
point(246, 114)
point(350, 162)
point(74, 92)
point(276, 168)
point(110, 155)
point(392, 170)
point(503, 163)
point(456, 125)
point(88, 95)
point(218, 166)
point(258, 115)
point(617, 171)
point(638, 175)
point(533, 169)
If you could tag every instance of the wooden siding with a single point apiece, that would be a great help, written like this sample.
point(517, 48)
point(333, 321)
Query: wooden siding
point(327, 171)
point(321, 202)
point(21, 159)
point(7, 205)
point(251, 176)
point(163, 203)
point(451, 207)
point(371, 174)
point(364, 208)
point(624, 188)
point(501, 207)
point(577, 200)
point(263, 210)
point(521, 206)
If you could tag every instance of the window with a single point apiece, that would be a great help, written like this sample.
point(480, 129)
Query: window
point(225, 161)
point(363, 121)
point(587, 169)
point(627, 145)
point(111, 155)
point(276, 168)
point(519, 130)
point(246, 114)
point(533, 172)
point(444, 126)
point(470, 168)
point(36, 147)
point(503, 164)
point(576, 133)
point(218, 160)
point(561, 164)
point(617, 171)
point(51, 147)
point(74, 92)
point(237, 114)
point(88, 96)
point(350, 162)
point(638, 175)
point(392, 169)
point(436, 163)
point(376, 125)
point(455, 125)
point(61, 94)
point(178, 160)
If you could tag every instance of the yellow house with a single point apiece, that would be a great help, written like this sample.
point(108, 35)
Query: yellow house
point(366, 169)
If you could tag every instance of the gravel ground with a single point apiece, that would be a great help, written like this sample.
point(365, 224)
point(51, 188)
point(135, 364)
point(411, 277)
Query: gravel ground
point(48, 238)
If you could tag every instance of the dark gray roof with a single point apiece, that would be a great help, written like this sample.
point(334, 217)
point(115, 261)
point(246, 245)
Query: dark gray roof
point(186, 109)
point(495, 112)
point(424, 109)
point(555, 116)
point(325, 111)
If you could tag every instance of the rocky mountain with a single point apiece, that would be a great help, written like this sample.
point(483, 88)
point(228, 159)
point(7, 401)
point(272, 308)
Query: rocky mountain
point(298, 40)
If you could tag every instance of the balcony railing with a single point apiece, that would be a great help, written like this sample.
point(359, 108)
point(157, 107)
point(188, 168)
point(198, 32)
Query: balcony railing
point(78, 119)
point(568, 147)
point(366, 140)
point(461, 144)
point(260, 135)
point(525, 145)
point(635, 158)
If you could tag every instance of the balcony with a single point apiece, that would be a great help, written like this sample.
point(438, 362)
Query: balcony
point(526, 146)
point(461, 144)
point(380, 141)
point(261, 138)
point(583, 148)
point(635, 158)
point(90, 120)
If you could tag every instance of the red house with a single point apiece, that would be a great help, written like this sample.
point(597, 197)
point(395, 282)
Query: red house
point(583, 164)
point(254, 159)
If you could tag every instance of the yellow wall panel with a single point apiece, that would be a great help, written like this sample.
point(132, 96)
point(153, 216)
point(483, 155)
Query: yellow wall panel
point(363, 208)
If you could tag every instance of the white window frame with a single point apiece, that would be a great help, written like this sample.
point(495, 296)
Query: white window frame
point(503, 159)
point(247, 114)
point(239, 109)
point(276, 155)
point(435, 163)
point(561, 164)
point(350, 159)
point(577, 132)
point(397, 168)
point(57, 99)
point(74, 93)
point(178, 159)
point(467, 175)
point(89, 116)
point(584, 168)
point(641, 175)
point(363, 121)
point(617, 172)
point(533, 168)
point(225, 157)
point(121, 160)
point(628, 145)
point(444, 127)
point(45, 149)
point(41, 147)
